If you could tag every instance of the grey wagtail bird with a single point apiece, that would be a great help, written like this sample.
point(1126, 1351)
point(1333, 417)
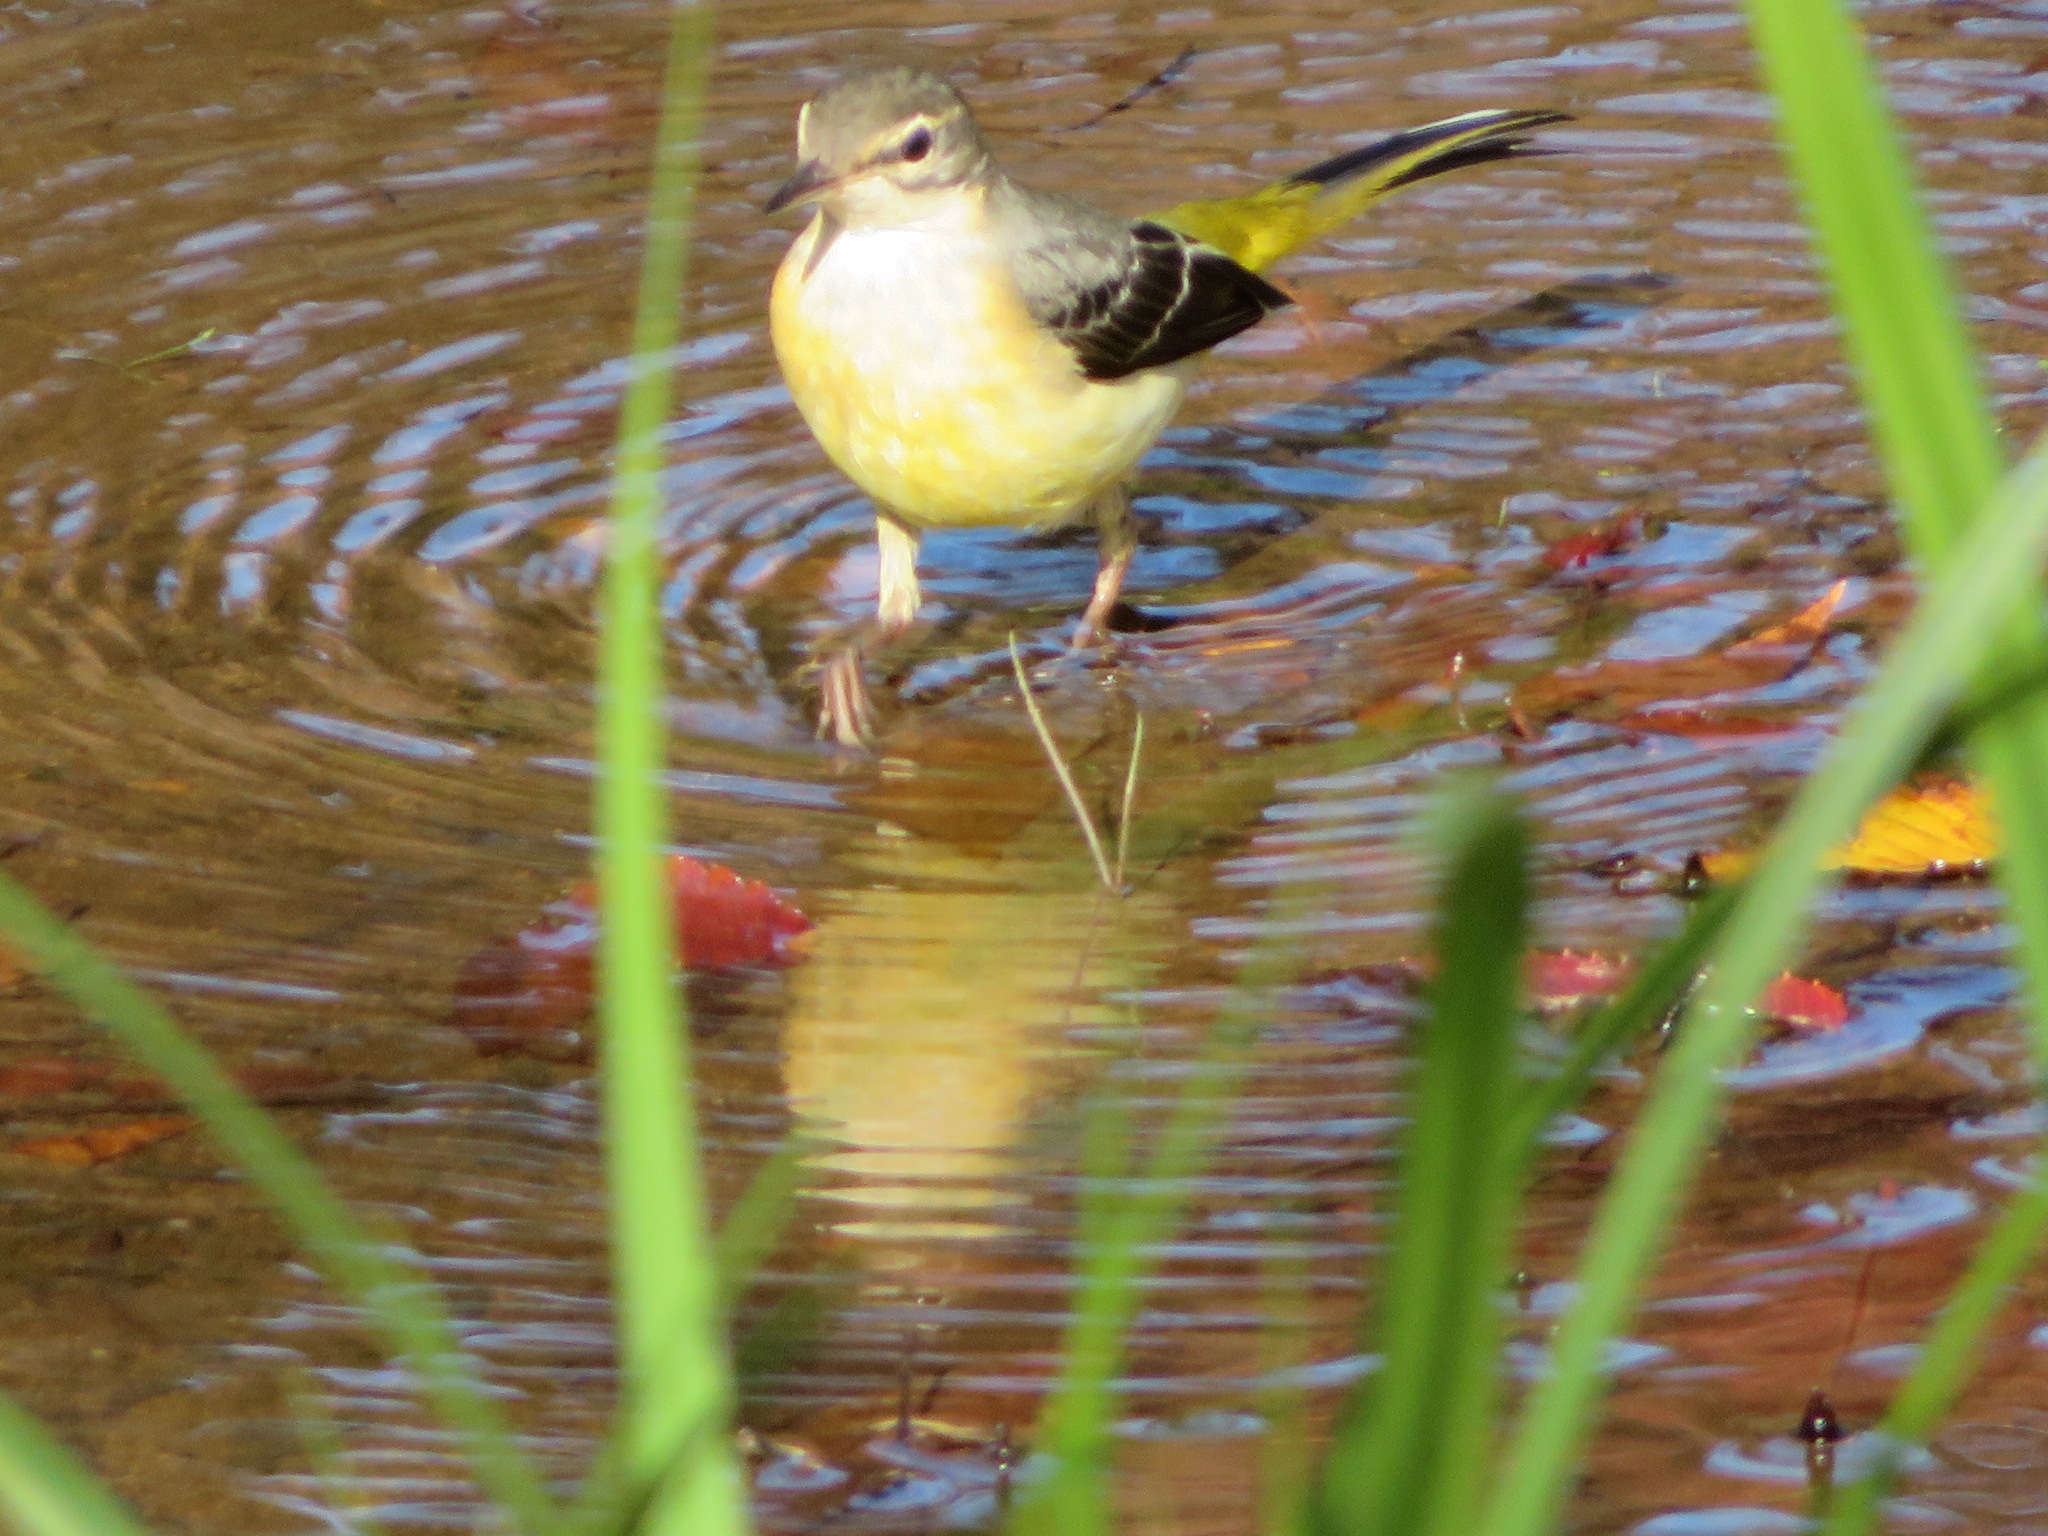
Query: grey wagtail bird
point(972, 352)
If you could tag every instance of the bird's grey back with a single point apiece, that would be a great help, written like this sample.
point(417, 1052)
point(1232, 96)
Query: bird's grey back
point(1059, 246)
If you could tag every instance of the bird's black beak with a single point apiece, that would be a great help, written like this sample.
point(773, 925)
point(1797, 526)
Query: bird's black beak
point(810, 179)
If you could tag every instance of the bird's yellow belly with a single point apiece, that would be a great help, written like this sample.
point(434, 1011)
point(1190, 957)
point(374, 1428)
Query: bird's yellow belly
point(927, 382)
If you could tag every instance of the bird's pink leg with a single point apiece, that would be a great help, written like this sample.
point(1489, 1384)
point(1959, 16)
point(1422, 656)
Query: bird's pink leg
point(1118, 531)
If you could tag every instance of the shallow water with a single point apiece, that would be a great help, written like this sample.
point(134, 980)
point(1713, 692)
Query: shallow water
point(310, 327)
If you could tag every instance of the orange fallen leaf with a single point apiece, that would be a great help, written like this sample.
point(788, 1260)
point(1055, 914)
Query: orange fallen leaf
point(88, 1149)
point(1611, 688)
point(1804, 1004)
point(1246, 646)
point(1807, 627)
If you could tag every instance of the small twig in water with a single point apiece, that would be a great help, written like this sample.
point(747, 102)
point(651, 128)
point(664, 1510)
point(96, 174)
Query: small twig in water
point(1158, 82)
point(1061, 771)
point(178, 351)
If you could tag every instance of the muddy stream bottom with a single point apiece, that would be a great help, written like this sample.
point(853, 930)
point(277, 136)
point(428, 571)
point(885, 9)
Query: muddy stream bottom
point(311, 328)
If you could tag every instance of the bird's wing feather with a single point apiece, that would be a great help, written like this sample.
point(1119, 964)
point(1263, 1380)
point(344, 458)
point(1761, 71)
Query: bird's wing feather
point(1139, 296)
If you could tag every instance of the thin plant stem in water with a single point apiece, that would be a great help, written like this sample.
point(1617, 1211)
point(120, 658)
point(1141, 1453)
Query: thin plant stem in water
point(1130, 801)
point(1063, 773)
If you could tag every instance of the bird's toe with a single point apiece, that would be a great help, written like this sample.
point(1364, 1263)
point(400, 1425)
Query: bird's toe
point(846, 714)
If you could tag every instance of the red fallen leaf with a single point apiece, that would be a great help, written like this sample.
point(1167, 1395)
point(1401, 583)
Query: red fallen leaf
point(1582, 549)
point(543, 978)
point(41, 1076)
point(1803, 1004)
point(730, 920)
point(1564, 978)
point(88, 1149)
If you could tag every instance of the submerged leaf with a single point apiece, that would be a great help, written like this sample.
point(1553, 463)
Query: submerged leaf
point(1577, 550)
point(543, 978)
point(1642, 689)
point(1564, 978)
point(40, 1076)
point(88, 1149)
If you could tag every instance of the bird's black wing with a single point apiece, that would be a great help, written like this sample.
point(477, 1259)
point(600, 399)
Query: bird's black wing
point(1153, 299)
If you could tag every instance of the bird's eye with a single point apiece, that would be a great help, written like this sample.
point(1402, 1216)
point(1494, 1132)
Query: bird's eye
point(917, 146)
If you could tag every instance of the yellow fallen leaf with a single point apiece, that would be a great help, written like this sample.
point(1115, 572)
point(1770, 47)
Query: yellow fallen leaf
point(1923, 829)
point(1936, 827)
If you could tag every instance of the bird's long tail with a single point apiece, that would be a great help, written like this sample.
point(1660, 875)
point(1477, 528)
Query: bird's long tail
point(1258, 229)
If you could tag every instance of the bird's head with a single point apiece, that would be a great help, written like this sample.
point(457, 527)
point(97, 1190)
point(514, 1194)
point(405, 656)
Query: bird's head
point(875, 147)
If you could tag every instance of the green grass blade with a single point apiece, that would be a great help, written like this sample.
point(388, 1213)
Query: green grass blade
point(1414, 1438)
point(1938, 438)
point(757, 1220)
point(1650, 997)
point(1286, 1462)
point(675, 1375)
point(1921, 380)
point(1947, 640)
point(1950, 1352)
point(47, 1491)
point(1116, 1239)
point(751, 1230)
point(326, 1451)
point(398, 1302)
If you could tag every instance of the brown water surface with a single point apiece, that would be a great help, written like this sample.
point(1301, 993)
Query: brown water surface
point(311, 319)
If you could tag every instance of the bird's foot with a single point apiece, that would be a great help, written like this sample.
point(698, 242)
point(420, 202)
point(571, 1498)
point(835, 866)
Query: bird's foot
point(846, 713)
point(1090, 633)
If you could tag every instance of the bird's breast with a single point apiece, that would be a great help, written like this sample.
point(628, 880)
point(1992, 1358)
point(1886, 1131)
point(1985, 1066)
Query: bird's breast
point(913, 359)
